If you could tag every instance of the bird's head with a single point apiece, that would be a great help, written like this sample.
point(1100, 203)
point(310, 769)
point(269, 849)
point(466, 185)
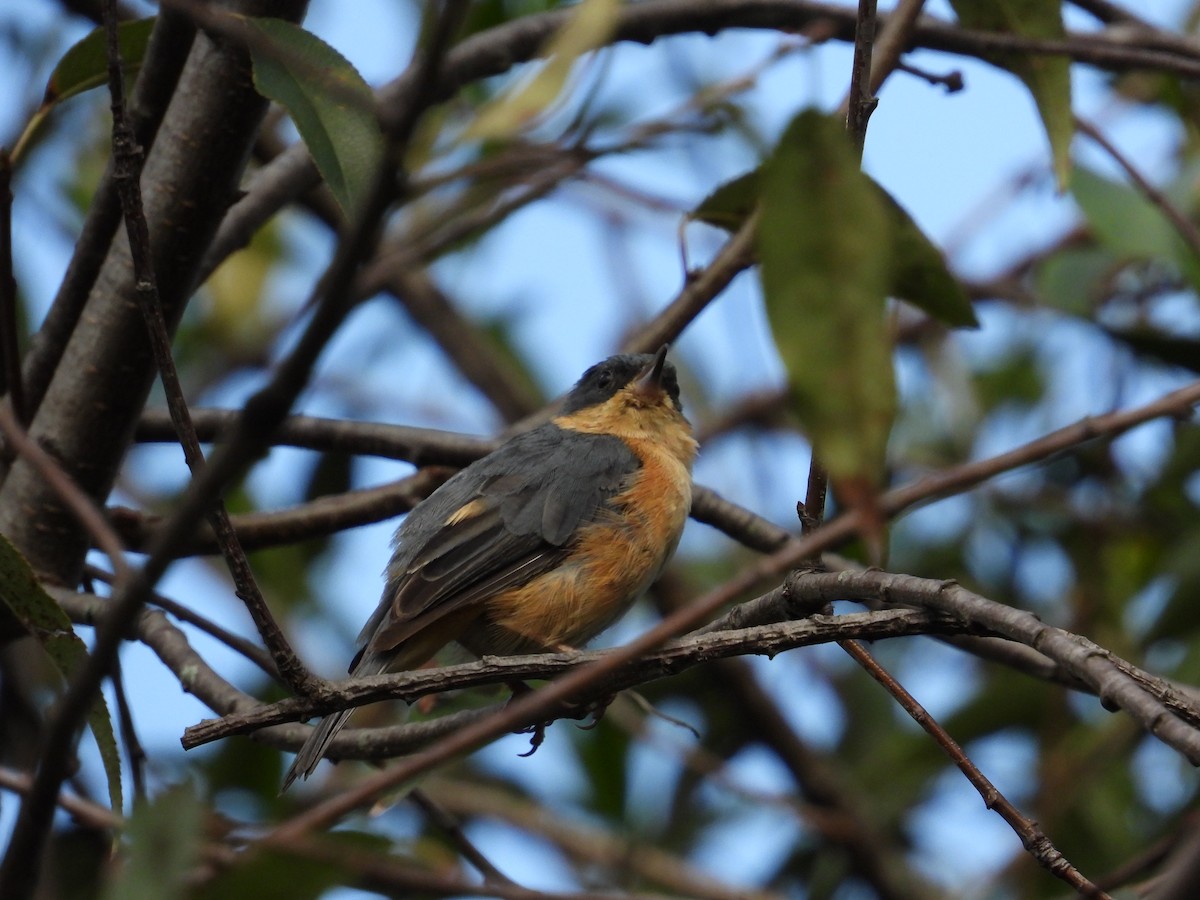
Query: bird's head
point(632, 379)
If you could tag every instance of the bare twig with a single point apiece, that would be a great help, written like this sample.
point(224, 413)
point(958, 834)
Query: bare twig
point(1032, 838)
point(127, 169)
point(316, 519)
point(861, 101)
point(1164, 711)
point(248, 649)
point(86, 813)
point(10, 369)
point(134, 750)
point(590, 844)
point(700, 289)
point(894, 38)
point(452, 828)
point(1180, 222)
point(419, 446)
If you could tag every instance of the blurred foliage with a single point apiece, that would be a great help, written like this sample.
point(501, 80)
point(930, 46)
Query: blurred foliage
point(1103, 540)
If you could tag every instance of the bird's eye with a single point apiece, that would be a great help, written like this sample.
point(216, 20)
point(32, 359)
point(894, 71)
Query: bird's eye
point(605, 380)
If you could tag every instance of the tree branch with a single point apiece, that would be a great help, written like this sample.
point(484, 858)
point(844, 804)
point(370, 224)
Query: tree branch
point(670, 659)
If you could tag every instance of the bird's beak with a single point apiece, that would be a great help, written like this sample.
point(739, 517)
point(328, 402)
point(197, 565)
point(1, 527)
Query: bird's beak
point(648, 384)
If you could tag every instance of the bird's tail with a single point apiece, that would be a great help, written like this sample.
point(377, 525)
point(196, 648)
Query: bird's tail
point(326, 730)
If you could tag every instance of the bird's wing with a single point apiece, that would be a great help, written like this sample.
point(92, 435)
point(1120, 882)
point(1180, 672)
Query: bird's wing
point(497, 524)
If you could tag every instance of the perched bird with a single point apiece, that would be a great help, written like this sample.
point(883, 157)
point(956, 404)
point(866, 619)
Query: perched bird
point(543, 543)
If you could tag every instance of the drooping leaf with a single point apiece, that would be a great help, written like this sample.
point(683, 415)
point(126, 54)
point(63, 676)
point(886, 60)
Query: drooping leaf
point(333, 108)
point(824, 244)
point(589, 27)
point(731, 203)
point(85, 65)
point(1047, 77)
point(45, 620)
point(920, 274)
point(918, 271)
point(164, 843)
point(1129, 225)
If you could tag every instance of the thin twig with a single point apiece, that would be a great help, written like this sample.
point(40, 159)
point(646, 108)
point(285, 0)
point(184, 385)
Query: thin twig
point(127, 169)
point(1181, 223)
point(894, 39)
point(445, 822)
point(318, 518)
point(134, 750)
point(419, 446)
point(700, 289)
point(861, 101)
point(238, 644)
point(1032, 838)
point(10, 370)
point(85, 812)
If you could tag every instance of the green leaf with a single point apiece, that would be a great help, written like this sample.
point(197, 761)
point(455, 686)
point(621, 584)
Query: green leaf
point(919, 273)
point(85, 65)
point(731, 203)
point(1047, 77)
point(163, 845)
point(824, 244)
point(272, 875)
point(45, 620)
point(1129, 225)
point(590, 26)
point(1073, 279)
point(333, 108)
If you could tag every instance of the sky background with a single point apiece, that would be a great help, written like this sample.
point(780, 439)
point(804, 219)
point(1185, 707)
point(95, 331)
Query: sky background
point(950, 160)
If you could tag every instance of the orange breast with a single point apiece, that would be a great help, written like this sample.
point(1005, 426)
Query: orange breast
point(611, 564)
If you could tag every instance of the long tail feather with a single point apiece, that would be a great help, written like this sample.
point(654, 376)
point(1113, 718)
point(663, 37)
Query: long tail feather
point(326, 730)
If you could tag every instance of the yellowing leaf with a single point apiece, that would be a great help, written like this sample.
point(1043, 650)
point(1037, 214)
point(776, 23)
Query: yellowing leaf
point(825, 244)
point(589, 27)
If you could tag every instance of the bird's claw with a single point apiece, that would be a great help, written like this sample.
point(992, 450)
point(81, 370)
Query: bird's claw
point(537, 736)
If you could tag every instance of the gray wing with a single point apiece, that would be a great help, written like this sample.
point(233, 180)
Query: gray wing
point(496, 524)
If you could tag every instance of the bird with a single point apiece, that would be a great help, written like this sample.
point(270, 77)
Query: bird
point(544, 542)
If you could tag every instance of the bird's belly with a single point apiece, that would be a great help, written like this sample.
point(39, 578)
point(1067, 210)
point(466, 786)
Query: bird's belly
point(612, 562)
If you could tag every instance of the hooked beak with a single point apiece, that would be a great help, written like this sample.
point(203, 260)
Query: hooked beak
point(648, 384)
